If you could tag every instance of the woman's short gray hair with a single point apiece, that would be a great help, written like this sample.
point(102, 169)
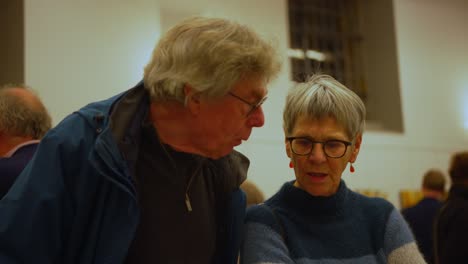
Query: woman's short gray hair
point(21, 117)
point(209, 54)
point(323, 96)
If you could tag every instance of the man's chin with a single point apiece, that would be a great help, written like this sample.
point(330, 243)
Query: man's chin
point(237, 142)
point(221, 153)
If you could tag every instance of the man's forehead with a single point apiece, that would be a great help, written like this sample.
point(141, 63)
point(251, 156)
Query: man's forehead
point(252, 87)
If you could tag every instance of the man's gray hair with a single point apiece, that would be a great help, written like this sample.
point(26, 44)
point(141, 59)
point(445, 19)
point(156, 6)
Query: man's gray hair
point(210, 55)
point(22, 117)
point(323, 96)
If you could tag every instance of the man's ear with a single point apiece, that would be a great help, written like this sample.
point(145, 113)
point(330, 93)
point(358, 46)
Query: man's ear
point(356, 148)
point(192, 99)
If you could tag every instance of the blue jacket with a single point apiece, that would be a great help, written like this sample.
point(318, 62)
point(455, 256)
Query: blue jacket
point(75, 201)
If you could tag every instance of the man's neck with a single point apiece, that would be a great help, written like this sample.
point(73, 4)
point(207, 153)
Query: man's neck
point(10, 142)
point(432, 194)
point(174, 126)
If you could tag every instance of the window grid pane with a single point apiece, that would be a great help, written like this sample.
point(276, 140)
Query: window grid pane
point(332, 28)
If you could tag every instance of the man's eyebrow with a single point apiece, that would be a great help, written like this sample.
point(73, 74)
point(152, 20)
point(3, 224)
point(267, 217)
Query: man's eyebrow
point(258, 95)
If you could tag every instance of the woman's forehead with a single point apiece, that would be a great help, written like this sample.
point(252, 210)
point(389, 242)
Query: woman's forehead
point(324, 127)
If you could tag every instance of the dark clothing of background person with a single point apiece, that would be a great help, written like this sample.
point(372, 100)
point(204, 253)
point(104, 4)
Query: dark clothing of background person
point(11, 167)
point(452, 228)
point(420, 218)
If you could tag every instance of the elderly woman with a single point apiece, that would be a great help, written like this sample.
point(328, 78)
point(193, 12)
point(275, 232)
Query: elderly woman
point(316, 218)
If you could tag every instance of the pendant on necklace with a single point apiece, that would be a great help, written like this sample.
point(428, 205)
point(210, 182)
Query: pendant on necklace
point(187, 202)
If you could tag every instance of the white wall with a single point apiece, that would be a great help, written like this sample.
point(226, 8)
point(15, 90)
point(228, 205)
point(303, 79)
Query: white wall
point(80, 52)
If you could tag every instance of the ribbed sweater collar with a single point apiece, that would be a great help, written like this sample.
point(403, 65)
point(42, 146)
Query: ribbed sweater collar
point(311, 206)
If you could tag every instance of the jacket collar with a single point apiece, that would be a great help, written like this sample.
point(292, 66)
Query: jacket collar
point(114, 121)
point(118, 122)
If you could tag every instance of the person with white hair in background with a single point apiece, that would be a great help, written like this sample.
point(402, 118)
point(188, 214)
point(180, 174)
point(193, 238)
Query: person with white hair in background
point(24, 120)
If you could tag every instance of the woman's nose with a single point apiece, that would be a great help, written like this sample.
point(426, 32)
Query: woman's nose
point(317, 154)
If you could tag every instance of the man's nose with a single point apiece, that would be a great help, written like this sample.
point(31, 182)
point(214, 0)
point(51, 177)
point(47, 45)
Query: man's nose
point(256, 118)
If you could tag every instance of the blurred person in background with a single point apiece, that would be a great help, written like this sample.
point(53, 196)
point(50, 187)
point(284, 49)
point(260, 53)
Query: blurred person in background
point(420, 217)
point(316, 218)
point(149, 175)
point(253, 193)
point(24, 120)
point(451, 224)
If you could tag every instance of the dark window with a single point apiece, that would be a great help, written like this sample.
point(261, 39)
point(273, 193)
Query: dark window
point(353, 41)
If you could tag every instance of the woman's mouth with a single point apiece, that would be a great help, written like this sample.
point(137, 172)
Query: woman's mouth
point(317, 177)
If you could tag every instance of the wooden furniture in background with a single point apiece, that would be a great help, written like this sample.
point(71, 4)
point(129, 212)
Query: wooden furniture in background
point(409, 197)
point(372, 193)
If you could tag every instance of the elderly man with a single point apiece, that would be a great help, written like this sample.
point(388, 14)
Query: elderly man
point(23, 122)
point(149, 175)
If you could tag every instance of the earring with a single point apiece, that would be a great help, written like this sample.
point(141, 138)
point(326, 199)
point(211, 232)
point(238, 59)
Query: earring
point(351, 168)
point(291, 165)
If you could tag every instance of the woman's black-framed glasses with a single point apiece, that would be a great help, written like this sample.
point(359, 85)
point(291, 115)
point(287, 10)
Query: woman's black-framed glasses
point(303, 146)
point(253, 107)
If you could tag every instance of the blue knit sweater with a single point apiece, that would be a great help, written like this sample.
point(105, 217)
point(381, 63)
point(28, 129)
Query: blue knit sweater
point(296, 227)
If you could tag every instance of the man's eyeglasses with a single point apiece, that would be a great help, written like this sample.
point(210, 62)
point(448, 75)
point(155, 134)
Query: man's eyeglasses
point(303, 146)
point(253, 107)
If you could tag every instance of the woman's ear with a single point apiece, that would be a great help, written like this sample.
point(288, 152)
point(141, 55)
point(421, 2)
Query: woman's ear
point(356, 148)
